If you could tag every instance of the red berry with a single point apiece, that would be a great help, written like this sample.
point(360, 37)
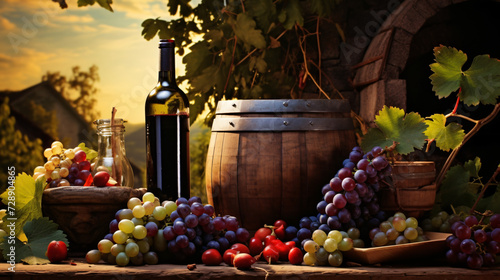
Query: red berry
point(261, 233)
point(290, 244)
point(229, 255)
point(243, 261)
point(271, 254)
point(282, 249)
point(295, 256)
point(268, 240)
point(241, 248)
point(280, 232)
point(278, 223)
point(211, 257)
point(256, 246)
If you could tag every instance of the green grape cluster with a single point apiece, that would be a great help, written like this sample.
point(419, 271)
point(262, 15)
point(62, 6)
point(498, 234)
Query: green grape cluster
point(441, 222)
point(137, 235)
point(326, 249)
point(398, 229)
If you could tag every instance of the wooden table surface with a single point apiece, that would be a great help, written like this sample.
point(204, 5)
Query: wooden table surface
point(82, 270)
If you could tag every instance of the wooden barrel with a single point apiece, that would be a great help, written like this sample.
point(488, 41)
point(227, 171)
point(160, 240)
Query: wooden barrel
point(269, 159)
point(412, 189)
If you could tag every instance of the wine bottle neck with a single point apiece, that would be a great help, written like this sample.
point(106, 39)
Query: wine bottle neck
point(167, 62)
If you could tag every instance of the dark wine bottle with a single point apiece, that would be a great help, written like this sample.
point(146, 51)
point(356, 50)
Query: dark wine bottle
point(167, 132)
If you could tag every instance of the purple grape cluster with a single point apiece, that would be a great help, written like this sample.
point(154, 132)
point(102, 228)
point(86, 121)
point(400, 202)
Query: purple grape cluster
point(472, 244)
point(350, 199)
point(195, 229)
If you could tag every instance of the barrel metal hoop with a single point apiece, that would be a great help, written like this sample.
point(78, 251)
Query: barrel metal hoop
point(282, 106)
point(281, 124)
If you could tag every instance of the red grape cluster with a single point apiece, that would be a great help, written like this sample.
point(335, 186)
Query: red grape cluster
point(350, 198)
point(474, 244)
point(194, 229)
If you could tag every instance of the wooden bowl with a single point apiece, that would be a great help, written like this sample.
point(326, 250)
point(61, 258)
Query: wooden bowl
point(434, 247)
point(84, 213)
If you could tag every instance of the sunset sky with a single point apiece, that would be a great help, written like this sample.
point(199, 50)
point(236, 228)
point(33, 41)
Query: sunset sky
point(37, 36)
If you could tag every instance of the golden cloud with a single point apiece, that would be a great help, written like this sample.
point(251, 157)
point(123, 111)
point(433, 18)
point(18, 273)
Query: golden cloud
point(20, 71)
point(74, 18)
point(6, 24)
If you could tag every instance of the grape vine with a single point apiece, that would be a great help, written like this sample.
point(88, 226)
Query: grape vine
point(250, 49)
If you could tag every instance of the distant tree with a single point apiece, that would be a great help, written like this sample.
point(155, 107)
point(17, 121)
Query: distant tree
point(79, 89)
point(16, 149)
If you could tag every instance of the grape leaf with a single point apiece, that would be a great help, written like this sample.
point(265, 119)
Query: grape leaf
point(374, 137)
point(407, 130)
point(473, 167)
point(258, 63)
point(163, 31)
point(479, 84)
point(461, 187)
point(150, 28)
point(447, 136)
point(490, 202)
point(455, 188)
point(40, 232)
point(264, 12)
point(28, 201)
point(244, 29)
point(447, 70)
point(322, 7)
point(214, 38)
point(83, 3)
point(291, 14)
point(205, 81)
point(62, 3)
point(197, 105)
point(106, 4)
point(185, 8)
point(198, 59)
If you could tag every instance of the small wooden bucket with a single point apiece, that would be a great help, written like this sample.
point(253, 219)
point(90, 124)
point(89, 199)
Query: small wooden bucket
point(412, 189)
point(269, 159)
point(84, 213)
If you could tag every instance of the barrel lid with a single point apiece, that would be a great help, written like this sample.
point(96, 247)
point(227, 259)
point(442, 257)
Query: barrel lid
point(283, 106)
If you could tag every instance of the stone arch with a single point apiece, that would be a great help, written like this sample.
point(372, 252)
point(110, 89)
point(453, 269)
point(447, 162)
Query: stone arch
point(378, 76)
